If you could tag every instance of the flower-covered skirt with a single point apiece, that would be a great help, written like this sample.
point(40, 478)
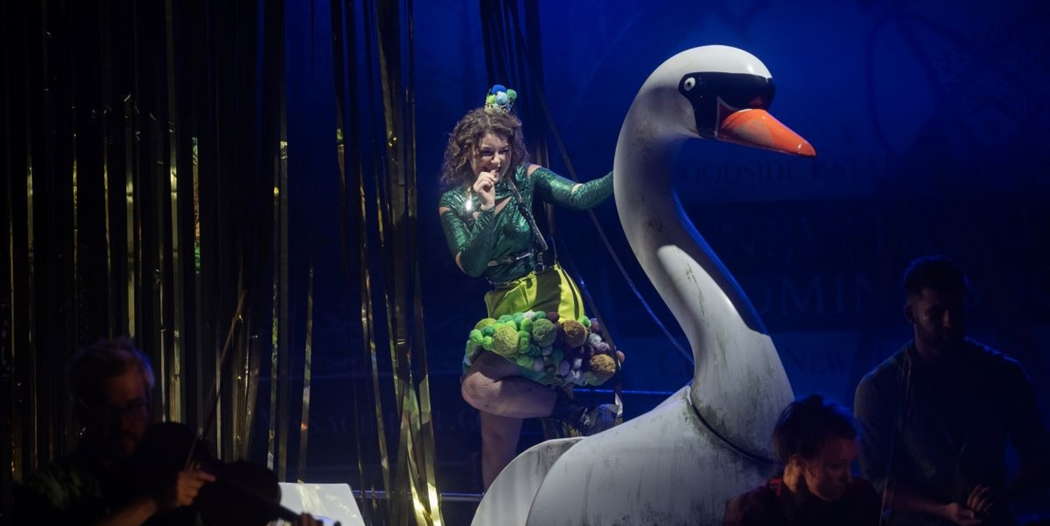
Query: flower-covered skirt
point(537, 322)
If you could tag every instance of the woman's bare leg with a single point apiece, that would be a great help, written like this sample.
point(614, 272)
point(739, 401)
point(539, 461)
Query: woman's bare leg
point(499, 444)
point(504, 399)
point(491, 386)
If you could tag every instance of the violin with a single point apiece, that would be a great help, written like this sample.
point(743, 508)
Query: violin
point(242, 493)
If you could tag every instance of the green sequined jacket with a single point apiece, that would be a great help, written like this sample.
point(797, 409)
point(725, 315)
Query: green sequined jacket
point(499, 246)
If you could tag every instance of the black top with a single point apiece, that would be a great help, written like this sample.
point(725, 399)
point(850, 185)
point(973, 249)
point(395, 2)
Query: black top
point(941, 429)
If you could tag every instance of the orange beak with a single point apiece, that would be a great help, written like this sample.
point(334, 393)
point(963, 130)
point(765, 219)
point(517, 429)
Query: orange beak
point(758, 129)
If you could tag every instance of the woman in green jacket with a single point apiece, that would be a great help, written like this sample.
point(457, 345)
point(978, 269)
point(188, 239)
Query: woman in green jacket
point(487, 220)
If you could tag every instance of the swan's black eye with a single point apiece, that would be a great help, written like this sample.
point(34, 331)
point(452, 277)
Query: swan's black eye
point(709, 91)
point(737, 90)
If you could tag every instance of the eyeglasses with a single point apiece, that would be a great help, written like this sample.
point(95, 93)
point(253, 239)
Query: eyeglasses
point(138, 407)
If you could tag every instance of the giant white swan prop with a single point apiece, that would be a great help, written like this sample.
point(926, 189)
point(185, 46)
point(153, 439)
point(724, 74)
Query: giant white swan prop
point(680, 462)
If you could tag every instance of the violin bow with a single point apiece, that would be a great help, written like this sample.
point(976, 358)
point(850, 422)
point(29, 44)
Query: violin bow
point(213, 405)
point(278, 510)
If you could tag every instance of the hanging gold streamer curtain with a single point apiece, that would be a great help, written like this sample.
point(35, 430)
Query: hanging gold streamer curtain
point(355, 128)
point(180, 181)
point(7, 408)
point(387, 275)
point(308, 348)
point(276, 148)
point(106, 108)
point(363, 400)
point(416, 494)
point(174, 333)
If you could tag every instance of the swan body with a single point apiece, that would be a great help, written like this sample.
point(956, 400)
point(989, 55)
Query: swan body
point(517, 487)
point(680, 462)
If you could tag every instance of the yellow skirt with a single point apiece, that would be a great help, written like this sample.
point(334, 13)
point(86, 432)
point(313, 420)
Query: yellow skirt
point(551, 290)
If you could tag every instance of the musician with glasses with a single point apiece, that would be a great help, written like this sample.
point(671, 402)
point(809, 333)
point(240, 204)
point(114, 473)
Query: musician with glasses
point(110, 383)
point(120, 472)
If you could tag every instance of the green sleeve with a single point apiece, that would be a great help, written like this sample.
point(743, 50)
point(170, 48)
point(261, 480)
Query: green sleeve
point(472, 243)
point(556, 189)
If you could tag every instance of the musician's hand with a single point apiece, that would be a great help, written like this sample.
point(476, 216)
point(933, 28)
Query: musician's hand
point(184, 491)
point(308, 520)
point(960, 514)
point(981, 500)
point(485, 187)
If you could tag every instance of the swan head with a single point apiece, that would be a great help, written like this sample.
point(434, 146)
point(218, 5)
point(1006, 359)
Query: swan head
point(722, 93)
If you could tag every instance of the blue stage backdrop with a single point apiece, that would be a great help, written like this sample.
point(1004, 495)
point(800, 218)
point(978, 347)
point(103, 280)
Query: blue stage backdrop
point(929, 120)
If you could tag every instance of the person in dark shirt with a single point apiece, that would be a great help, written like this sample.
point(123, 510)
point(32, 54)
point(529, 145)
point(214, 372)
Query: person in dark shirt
point(816, 441)
point(937, 416)
point(106, 481)
point(110, 383)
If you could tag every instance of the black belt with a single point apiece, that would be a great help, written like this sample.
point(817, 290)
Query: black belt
point(538, 267)
point(510, 259)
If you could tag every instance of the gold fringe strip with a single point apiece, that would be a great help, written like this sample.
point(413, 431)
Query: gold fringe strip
point(304, 422)
point(368, 331)
point(175, 409)
point(237, 363)
point(32, 385)
point(47, 398)
point(106, 71)
point(195, 175)
point(425, 420)
point(283, 350)
point(271, 432)
point(339, 73)
point(216, 406)
point(8, 348)
point(11, 343)
point(251, 382)
point(416, 453)
point(33, 453)
point(129, 208)
point(63, 437)
point(392, 309)
point(276, 23)
point(198, 288)
point(157, 332)
point(33, 431)
point(76, 231)
point(368, 314)
point(111, 310)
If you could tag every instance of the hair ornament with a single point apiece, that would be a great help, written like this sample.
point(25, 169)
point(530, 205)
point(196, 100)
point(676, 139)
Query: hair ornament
point(500, 98)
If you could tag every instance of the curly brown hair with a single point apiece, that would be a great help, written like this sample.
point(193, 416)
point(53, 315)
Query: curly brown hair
point(464, 139)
